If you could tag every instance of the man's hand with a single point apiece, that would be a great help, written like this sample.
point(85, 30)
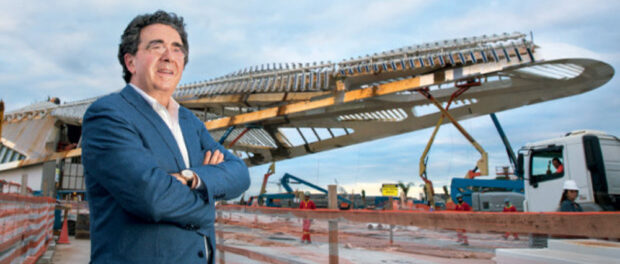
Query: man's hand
point(214, 159)
point(210, 159)
point(179, 178)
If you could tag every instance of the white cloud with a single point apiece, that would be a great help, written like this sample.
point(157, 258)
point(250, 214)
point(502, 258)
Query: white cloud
point(523, 15)
point(560, 50)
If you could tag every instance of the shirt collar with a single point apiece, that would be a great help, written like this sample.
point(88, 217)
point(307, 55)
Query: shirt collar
point(173, 106)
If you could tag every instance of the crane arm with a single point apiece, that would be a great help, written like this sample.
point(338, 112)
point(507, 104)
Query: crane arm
point(287, 177)
point(482, 164)
point(270, 171)
point(428, 184)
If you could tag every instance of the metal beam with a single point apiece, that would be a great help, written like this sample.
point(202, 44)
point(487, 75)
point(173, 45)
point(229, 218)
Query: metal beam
point(587, 224)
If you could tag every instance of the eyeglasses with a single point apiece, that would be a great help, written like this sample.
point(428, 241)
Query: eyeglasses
point(158, 48)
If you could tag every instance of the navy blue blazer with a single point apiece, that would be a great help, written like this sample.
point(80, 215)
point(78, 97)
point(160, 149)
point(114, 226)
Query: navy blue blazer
point(138, 212)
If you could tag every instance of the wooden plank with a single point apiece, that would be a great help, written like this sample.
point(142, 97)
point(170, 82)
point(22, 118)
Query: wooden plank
point(27, 162)
point(292, 108)
point(251, 99)
point(587, 224)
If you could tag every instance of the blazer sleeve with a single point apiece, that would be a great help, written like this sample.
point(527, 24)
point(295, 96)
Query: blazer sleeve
point(115, 158)
point(226, 180)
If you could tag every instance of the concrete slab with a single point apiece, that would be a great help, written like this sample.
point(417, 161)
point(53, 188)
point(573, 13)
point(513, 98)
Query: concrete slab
point(545, 255)
point(587, 246)
point(563, 251)
point(78, 251)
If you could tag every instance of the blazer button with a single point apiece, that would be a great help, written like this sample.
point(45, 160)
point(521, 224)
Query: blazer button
point(201, 254)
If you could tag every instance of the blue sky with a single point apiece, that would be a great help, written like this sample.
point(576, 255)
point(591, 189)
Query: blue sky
point(68, 49)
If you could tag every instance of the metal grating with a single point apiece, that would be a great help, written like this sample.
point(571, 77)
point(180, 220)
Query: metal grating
point(387, 115)
point(558, 71)
point(255, 137)
point(9, 155)
point(427, 109)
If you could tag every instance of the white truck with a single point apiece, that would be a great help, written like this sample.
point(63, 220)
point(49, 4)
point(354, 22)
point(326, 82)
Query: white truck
point(590, 158)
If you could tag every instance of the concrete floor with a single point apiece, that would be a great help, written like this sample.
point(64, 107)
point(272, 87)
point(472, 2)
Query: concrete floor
point(78, 251)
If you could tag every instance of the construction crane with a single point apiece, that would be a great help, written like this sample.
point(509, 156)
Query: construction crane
point(270, 171)
point(511, 154)
point(285, 180)
point(482, 163)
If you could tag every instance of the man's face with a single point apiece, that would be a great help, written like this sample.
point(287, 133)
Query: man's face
point(158, 64)
point(556, 163)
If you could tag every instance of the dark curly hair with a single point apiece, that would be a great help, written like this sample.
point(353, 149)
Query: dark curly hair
point(131, 36)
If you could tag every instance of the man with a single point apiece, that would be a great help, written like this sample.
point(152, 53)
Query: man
point(462, 206)
point(306, 204)
point(152, 170)
point(559, 168)
point(508, 207)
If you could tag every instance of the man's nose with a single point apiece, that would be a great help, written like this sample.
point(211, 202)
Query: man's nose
point(165, 56)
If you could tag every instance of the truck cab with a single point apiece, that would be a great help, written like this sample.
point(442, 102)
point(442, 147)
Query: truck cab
point(590, 158)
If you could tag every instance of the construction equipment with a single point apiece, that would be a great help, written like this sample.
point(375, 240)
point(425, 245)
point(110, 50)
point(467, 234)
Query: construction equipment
point(286, 181)
point(270, 171)
point(468, 187)
point(511, 154)
point(488, 195)
point(482, 163)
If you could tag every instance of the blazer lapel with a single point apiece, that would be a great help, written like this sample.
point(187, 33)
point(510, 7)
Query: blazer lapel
point(189, 135)
point(147, 111)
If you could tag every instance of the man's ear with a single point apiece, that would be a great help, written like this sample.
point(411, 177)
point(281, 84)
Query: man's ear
point(129, 63)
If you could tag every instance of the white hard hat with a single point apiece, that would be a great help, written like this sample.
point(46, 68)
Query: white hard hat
point(307, 194)
point(570, 185)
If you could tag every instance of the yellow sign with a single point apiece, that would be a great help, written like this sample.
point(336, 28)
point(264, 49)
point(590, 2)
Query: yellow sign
point(389, 189)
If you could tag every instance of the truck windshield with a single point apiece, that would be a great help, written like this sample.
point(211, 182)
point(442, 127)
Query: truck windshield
point(546, 164)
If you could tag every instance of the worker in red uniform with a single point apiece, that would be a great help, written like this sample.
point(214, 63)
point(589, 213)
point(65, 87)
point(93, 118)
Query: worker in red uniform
point(306, 204)
point(508, 207)
point(559, 168)
point(462, 206)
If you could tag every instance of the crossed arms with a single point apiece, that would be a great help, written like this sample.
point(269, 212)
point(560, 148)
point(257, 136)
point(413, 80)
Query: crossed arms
point(116, 160)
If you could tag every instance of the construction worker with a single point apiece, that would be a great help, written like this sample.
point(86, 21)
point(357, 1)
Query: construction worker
point(462, 206)
point(508, 207)
point(567, 203)
point(306, 204)
point(559, 168)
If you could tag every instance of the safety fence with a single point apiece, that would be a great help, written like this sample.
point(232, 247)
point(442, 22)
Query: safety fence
point(407, 231)
point(25, 225)
point(587, 224)
point(11, 187)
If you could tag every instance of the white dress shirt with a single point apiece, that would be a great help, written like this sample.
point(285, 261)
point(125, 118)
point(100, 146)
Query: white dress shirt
point(170, 116)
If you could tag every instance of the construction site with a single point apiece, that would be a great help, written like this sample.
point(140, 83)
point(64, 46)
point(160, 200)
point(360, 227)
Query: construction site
point(275, 112)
